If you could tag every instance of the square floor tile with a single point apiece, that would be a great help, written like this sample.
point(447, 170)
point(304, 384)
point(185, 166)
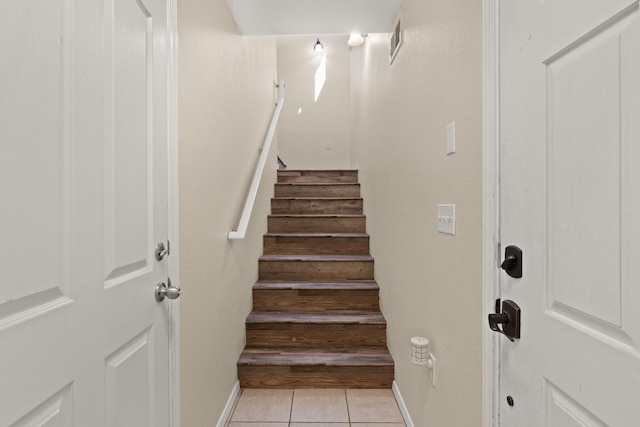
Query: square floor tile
point(257, 424)
point(263, 405)
point(378, 425)
point(373, 406)
point(319, 405)
point(321, 425)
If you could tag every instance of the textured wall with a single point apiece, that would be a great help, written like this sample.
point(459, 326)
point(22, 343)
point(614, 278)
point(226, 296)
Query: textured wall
point(318, 137)
point(431, 283)
point(226, 98)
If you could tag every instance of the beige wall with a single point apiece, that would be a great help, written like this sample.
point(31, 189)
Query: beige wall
point(318, 137)
point(431, 283)
point(226, 98)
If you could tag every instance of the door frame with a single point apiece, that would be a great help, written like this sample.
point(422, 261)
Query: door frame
point(173, 211)
point(491, 208)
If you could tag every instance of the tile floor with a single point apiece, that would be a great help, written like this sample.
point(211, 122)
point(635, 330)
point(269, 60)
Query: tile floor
point(316, 408)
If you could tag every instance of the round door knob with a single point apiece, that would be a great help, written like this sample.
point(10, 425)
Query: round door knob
point(162, 292)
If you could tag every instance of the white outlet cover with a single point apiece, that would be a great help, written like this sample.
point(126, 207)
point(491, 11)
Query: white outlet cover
point(447, 219)
point(451, 138)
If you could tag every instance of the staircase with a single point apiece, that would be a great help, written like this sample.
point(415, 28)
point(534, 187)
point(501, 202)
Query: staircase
point(316, 322)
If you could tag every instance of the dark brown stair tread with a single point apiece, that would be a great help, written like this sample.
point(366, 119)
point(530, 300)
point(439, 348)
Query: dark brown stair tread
point(316, 189)
point(317, 258)
point(317, 198)
point(306, 317)
point(333, 175)
point(317, 285)
point(316, 216)
point(328, 176)
point(328, 185)
point(328, 223)
point(369, 356)
point(316, 235)
point(316, 184)
point(281, 171)
point(309, 204)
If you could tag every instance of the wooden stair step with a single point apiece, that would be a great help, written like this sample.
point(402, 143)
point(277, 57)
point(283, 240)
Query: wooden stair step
point(317, 205)
point(314, 329)
point(347, 367)
point(289, 189)
point(316, 285)
point(316, 296)
point(298, 223)
point(316, 243)
point(333, 175)
point(342, 356)
point(315, 267)
point(317, 318)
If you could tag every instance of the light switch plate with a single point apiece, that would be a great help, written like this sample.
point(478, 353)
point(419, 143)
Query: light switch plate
point(451, 138)
point(447, 219)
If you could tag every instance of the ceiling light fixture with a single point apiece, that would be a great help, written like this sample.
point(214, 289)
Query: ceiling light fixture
point(356, 40)
point(317, 47)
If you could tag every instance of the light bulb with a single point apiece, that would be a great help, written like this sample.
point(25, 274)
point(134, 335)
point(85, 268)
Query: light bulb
point(355, 40)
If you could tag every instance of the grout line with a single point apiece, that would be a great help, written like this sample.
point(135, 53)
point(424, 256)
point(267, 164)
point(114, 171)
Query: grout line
point(348, 412)
point(293, 396)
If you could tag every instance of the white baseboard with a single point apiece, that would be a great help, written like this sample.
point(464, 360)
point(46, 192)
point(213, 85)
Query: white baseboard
point(403, 408)
point(229, 406)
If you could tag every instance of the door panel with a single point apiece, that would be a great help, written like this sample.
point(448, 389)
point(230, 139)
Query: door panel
point(128, 148)
point(54, 412)
point(566, 21)
point(83, 124)
point(38, 292)
point(129, 383)
point(38, 207)
point(564, 411)
point(583, 145)
point(570, 199)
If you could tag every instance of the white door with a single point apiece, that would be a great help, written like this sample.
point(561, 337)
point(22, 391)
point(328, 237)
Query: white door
point(83, 190)
point(570, 199)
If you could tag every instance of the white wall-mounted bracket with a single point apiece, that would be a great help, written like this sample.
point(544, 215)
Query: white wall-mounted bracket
point(431, 364)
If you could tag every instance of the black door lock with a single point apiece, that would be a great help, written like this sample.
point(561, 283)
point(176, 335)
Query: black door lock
point(509, 317)
point(512, 263)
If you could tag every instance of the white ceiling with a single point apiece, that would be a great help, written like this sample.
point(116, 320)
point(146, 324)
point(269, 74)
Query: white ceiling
point(287, 17)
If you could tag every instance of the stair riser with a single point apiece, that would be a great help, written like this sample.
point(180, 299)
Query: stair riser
point(318, 176)
point(315, 335)
point(317, 224)
point(285, 245)
point(315, 270)
point(316, 206)
point(315, 300)
point(302, 190)
point(315, 377)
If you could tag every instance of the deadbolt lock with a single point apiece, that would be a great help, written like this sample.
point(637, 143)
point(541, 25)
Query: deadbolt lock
point(161, 251)
point(512, 263)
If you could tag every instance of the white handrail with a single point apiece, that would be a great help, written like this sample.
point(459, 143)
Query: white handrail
point(241, 231)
